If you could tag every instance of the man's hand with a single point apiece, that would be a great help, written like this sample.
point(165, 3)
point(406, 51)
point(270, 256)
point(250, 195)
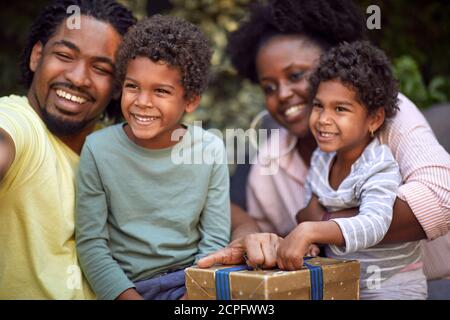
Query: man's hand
point(231, 254)
point(259, 248)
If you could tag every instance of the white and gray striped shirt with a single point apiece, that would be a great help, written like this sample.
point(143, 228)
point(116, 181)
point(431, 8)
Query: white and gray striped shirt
point(372, 186)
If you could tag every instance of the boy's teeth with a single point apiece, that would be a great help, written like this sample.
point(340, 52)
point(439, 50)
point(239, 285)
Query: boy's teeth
point(70, 97)
point(145, 119)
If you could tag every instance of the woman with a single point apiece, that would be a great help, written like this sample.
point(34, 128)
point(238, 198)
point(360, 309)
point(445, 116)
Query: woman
point(277, 48)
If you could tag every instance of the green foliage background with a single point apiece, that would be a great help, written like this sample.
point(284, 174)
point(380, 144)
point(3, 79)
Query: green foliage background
point(415, 35)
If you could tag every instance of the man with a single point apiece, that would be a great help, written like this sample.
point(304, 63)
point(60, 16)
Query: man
point(68, 68)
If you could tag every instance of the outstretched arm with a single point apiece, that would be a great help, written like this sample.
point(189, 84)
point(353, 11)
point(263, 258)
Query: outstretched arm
point(241, 223)
point(404, 226)
point(7, 153)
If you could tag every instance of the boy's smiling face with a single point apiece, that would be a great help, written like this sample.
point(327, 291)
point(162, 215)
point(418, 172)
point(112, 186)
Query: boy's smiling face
point(339, 122)
point(153, 102)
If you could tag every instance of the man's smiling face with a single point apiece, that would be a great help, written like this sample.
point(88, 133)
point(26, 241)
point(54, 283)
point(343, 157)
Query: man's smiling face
point(73, 75)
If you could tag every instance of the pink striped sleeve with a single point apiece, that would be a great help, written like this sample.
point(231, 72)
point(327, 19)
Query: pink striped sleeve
point(426, 207)
point(425, 168)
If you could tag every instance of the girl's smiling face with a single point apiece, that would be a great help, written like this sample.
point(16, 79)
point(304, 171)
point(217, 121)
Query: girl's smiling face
point(339, 122)
point(283, 64)
point(153, 102)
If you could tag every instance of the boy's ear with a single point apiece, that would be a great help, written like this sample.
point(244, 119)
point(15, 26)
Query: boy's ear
point(377, 119)
point(192, 104)
point(35, 56)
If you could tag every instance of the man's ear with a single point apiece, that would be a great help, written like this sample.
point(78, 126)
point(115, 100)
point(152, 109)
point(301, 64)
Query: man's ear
point(377, 119)
point(192, 104)
point(36, 55)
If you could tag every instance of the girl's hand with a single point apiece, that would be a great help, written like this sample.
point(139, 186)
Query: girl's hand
point(294, 247)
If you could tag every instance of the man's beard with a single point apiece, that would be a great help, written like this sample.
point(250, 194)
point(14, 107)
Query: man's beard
point(63, 127)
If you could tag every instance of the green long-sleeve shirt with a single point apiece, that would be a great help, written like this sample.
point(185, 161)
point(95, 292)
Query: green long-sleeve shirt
point(141, 213)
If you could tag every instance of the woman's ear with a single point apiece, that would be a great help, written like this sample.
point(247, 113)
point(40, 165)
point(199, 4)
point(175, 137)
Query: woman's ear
point(35, 56)
point(192, 104)
point(377, 119)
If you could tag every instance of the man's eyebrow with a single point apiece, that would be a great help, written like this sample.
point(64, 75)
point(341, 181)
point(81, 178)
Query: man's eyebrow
point(73, 46)
point(68, 44)
point(104, 60)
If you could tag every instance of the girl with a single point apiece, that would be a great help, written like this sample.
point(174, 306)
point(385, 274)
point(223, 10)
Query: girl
point(353, 91)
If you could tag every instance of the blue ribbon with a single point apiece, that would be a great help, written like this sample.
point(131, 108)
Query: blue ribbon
point(316, 275)
point(223, 280)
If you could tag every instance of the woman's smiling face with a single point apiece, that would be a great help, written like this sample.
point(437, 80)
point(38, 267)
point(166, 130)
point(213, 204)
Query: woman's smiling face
point(283, 64)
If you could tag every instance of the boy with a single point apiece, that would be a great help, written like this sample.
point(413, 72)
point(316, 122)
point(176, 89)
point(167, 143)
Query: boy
point(141, 217)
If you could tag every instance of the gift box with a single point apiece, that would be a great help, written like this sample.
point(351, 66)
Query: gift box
point(319, 279)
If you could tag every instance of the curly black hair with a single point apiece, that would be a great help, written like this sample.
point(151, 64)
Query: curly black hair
point(174, 41)
point(323, 22)
point(55, 13)
point(364, 68)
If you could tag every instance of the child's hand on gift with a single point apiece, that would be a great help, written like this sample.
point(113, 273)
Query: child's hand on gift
point(294, 247)
point(298, 243)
